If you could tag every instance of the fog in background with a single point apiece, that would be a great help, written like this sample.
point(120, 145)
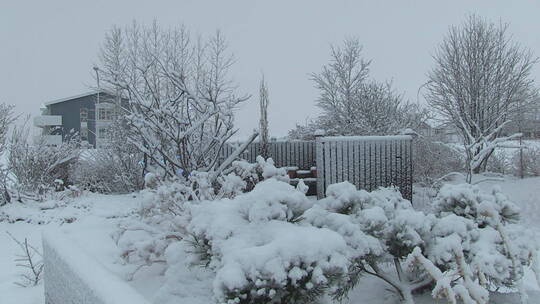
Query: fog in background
point(48, 48)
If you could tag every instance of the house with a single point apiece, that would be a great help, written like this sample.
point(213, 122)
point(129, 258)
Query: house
point(441, 132)
point(89, 115)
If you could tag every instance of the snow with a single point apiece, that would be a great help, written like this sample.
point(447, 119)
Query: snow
point(72, 275)
point(87, 220)
point(90, 221)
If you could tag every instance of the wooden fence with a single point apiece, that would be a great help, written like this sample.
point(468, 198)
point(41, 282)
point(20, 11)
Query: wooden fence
point(299, 154)
point(367, 162)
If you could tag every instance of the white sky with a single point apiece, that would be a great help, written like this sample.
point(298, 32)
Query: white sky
point(48, 48)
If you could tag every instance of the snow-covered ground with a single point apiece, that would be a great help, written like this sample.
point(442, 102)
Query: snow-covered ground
point(91, 220)
point(88, 220)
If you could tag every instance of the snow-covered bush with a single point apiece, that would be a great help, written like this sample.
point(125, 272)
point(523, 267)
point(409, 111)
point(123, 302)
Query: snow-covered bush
point(470, 246)
point(274, 245)
point(6, 120)
point(531, 162)
point(262, 169)
point(433, 159)
point(105, 171)
point(166, 208)
point(500, 162)
point(37, 165)
point(477, 245)
point(114, 168)
point(260, 251)
point(379, 227)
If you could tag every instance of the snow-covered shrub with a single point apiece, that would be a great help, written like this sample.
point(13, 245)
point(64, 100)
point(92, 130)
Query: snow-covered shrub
point(6, 120)
point(477, 244)
point(500, 162)
point(114, 168)
point(433, 159)
point(262, 169)
point(379, 227)
point(531, 162)
point(37, 165)
point(166, 208)
point(260, 251)
point(274, 245)
point(471, 245)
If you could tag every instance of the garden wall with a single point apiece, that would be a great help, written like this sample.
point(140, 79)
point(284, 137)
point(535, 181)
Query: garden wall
point(72, 276)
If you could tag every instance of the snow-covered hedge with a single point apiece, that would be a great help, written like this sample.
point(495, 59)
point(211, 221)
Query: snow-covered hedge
point(71, 276)
point(274, 245)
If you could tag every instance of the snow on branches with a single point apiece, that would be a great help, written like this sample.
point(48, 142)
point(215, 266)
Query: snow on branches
point(181, 100)
point(480, 82)
point(477, 244)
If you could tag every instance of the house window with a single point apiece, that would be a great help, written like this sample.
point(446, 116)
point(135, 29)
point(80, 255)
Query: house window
point(103, 132)
point(84, 114)
point(105, 114)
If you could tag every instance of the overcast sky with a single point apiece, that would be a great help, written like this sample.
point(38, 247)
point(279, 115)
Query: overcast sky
point(48, 48)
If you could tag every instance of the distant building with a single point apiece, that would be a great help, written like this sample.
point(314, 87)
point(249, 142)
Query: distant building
point(441, 132)
point(89, 115)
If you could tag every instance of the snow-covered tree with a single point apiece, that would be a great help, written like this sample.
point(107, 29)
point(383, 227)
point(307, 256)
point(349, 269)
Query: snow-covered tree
point(6, 120)
point(354, 104)
point(307, 131)
point(181, 99)
point(263, 120)
point(480, 79)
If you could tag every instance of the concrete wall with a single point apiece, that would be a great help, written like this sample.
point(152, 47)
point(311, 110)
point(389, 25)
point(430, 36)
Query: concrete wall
point(72, 276)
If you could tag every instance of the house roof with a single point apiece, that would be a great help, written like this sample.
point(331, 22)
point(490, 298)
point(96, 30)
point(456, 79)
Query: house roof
point(48, 103)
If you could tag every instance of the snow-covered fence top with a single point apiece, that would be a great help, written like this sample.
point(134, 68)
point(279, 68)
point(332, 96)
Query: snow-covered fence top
point(299, 154)
point(368, 162)
point(71, 276)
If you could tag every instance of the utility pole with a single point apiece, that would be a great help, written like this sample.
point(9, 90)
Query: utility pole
point(97, 78)
point(96, 108)
point(521, 117)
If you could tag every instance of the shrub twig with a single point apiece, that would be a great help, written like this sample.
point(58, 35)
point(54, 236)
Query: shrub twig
point(27, 260)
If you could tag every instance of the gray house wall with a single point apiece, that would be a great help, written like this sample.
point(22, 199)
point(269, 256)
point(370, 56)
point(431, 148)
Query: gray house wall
point(70, 111)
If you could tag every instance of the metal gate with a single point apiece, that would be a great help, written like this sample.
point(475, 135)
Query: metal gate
point(368, 162)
